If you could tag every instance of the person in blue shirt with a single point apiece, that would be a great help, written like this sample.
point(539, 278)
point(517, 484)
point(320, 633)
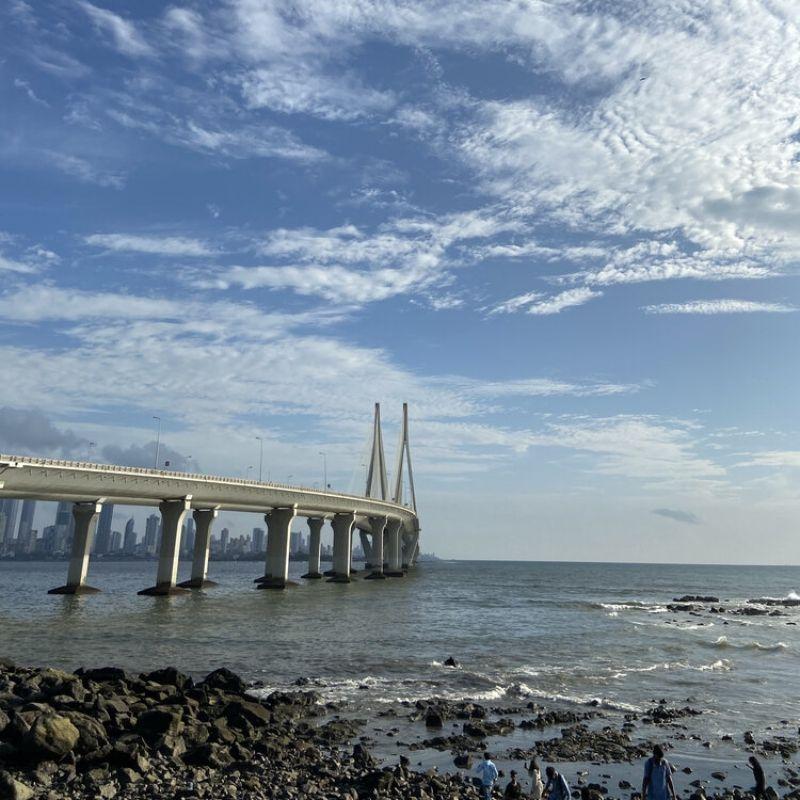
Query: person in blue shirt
point(489, 774)
point(657, 783)
point(556, 787)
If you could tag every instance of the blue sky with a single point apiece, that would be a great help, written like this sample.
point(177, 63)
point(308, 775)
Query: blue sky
point(566, 234)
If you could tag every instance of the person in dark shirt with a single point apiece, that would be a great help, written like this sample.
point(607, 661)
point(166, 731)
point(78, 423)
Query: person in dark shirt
point(758, 774)
point(514, 788)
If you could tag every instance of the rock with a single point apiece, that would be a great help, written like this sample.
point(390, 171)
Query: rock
point(169, 676)
point(719, 776)
point(92, 735)
point(4, 720)
point(226, 680)
point(208, 755)
point(103, 674)
point(463, 761)
point(433, 719)
point(248, 713)
point(107, 791)
point(451, 662)
point(749, 738)
point(159, 721)
point(126, 776)
point(50, 736)
point(362, 757)
point(12, 789)
point(697, 598)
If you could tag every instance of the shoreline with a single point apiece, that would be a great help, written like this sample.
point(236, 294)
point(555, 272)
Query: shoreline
point(109, 733)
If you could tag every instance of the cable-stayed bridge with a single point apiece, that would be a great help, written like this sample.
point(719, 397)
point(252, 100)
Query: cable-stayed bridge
point(388, 526)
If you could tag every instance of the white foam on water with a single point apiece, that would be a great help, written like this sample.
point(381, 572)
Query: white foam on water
point(724, 643)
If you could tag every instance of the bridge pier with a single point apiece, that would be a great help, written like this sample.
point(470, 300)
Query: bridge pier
point(172, 514)
point(276, 568)
point(410, 549)
point(377, 524)
point(342, 546)
point(394, 556)
point(314, 546)
point(85, 515)
point(366, 547)
point(203, 520)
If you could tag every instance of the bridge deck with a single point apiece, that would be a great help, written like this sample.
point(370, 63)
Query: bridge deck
point(28, 477)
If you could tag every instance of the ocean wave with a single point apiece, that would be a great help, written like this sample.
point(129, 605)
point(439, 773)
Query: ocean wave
point(632, 605)
point(724, 643)
point(720, 665)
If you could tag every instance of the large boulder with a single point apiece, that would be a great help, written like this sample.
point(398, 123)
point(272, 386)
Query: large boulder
point(169, 676)
point(92, 734)
point(158, 722)
point(51, 736)
point(103, 674)
point(224, 679)
point(12, 789)
point(250, 713)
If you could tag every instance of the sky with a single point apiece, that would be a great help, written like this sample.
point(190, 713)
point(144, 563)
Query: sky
point(566, 233)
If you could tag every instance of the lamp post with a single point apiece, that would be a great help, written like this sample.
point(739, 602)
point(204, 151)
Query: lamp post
point(189, 464)
point(324, 470)
point(158, 442)
point(92, 445)
point(247, 473)
point(260, 457)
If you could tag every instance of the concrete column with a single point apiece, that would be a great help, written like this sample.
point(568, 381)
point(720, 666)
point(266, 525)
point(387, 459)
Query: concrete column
point(365, 546)
point(203, 520)
point(85, 515)
point(172, 514)
point(342, 546)
point(410, 549)
point(377, 524)
point(314, 546)
point(279, 526)
point(394, 557)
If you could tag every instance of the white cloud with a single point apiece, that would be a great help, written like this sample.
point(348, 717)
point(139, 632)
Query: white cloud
point(84, 170)
point(28, 89)
point(124, 33)
point(347, 264)
point(773, 458)
point(537, 303)
point(719, 307)
point(294, 88)
point(156, 245)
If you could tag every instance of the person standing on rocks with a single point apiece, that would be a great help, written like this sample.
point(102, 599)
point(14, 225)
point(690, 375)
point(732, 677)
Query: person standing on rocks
point(489, 774)
point(760, 789)
point(557, 787)
point(657, 783)
point(514, 788)
point(535, 772)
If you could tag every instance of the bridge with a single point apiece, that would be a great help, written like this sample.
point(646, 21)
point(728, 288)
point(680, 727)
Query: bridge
point(389, 527)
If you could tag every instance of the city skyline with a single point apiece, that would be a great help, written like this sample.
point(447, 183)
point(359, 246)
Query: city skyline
point(566, 234)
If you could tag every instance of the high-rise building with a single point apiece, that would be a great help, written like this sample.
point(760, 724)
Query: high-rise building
point(258, 540)
point(129, 542)
point(102, 538)
point(188, 538)
point(295, 542)
point(116, 542)
point(223, 540)
point(26, 541)
point(64, 528)
point(8, 523)
point(151, 534)
point(26, 519)
point(49, 540)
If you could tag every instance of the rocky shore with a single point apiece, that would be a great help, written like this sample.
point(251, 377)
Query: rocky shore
point(107, 733)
